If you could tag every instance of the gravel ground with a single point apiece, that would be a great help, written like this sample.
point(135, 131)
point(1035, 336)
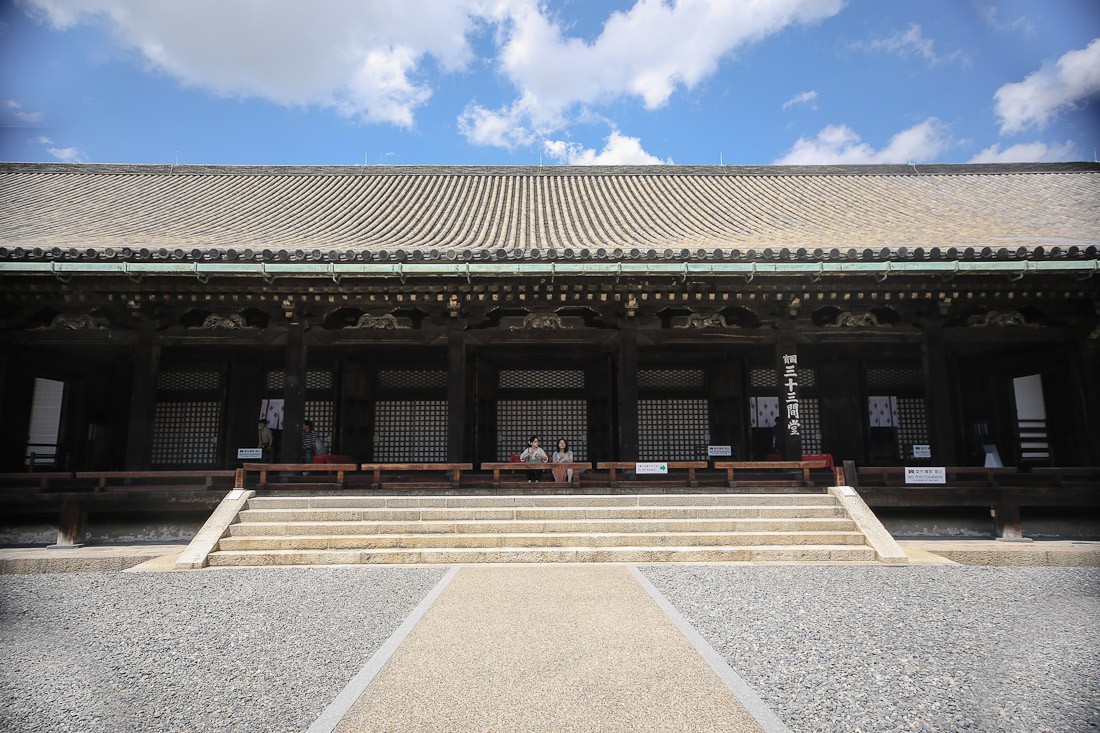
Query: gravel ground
point(905, 649)
point(252, 650)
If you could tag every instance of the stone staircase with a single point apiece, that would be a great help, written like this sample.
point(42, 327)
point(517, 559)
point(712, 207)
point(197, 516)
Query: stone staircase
point(341, 530)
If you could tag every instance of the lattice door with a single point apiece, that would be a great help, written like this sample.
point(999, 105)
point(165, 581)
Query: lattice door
point(673, 430)
point(518, 420)
point(411, 431)
point(185, 433)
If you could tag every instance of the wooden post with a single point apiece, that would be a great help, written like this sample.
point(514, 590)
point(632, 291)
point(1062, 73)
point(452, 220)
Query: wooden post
point(851, 476)
point(238, 478)
point(1090, 356)
point(1008, 522)
point(143, 402)
point(456, 392)
point(72, 525)
point(789, 420)
point(937, 395)
point(294, 394)
point(628, 391)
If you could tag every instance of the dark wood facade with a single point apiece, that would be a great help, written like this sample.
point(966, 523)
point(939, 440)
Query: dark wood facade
point(171, 372)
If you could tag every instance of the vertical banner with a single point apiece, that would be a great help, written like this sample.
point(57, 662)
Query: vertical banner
point(788, 426)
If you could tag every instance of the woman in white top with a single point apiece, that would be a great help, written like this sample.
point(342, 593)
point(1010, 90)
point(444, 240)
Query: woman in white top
point(562, 455)
point(533, 454)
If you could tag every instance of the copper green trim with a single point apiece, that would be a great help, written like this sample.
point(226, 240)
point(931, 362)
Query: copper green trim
point(471, 270)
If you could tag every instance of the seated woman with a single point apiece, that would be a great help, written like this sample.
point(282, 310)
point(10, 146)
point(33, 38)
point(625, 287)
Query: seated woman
point(562, 455)
point(533, 454)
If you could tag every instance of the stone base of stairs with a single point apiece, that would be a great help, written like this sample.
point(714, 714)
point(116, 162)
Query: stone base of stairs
point(339, 529)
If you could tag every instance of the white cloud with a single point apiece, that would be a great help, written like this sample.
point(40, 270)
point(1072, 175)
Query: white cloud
point(838, 144)
point(991, 16)
point(359, 57)
point(1073, 80)
point(646, 52)
point(801, 98)
point(68, 155)
point(20, 113)
point(619, 150)
point(912, 42)
point(1036, 152)
point(42, 140)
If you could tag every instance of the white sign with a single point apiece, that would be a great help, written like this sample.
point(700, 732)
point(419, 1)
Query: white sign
point(235, 494)
point(719, 450)
point(925, 475)
point(922, 451)
point(250, 453)
point(650, 467)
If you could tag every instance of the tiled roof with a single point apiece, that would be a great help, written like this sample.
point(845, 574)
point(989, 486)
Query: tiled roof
point(568, 213)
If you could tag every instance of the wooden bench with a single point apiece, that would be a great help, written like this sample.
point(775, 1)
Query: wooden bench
point(152, 480)
point(453, 469)
point(615, 466)
point(805, 466)
point(264, 468)
point(496, 468)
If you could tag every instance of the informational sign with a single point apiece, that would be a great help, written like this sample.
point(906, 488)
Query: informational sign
point(925, 475)
point(650, 467)
point(243, 453)
point(719, 450)
point(922, 451)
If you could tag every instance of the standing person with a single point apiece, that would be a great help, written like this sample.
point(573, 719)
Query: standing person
point(533, 454)
point(266, 439)
point(309, 442)
point(562, 454)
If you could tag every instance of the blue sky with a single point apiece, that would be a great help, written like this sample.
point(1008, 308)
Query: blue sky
point(564, 82)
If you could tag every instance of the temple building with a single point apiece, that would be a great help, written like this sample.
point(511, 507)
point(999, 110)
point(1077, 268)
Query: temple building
point(888, 315)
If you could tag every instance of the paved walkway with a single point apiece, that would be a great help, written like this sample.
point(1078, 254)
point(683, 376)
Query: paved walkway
point(562, 648)
point(550, 647)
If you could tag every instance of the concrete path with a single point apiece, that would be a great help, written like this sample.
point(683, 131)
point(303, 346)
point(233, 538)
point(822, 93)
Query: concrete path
point(562, 648)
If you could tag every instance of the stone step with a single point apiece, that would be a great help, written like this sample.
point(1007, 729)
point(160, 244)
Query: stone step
point(749, 524)
point(557, 539)
point(547, 513)
point(772, 553)
point(569, 501)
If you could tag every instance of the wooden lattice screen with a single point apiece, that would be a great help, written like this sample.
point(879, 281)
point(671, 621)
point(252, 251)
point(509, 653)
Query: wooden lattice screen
point(673, 429)
point(410, 431)
point(518, 420)
point(187, 419)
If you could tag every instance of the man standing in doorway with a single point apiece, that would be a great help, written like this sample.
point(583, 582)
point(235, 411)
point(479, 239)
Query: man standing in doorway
point(309, 442)
point(266, 439)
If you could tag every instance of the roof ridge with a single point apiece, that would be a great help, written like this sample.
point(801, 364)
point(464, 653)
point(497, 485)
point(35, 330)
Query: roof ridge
point(530, 170)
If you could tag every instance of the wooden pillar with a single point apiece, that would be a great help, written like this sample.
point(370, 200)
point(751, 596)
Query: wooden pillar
point(789, 420)
point(143, 402)
point(843, 408)
point(294, 393)
point(729, 407)
point(246, 380)
point(1090, 389)
point(627, 382)
point(72, 525)
point(456, 392)
point(937, 395)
